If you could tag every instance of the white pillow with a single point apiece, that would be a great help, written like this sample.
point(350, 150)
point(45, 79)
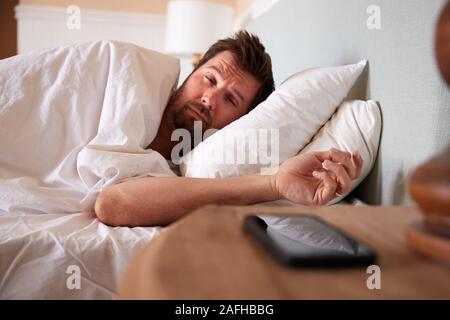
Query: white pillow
point(356, 125)
point(292, 115)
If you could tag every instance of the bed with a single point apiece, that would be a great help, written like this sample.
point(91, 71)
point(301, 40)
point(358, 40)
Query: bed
point(41, 254)
point(51, 244)
point(37, 251)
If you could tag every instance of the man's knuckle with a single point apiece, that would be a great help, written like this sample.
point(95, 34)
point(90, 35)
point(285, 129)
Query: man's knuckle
point(341, 169)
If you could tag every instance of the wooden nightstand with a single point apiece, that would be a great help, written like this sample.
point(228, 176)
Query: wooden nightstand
point(207, 255)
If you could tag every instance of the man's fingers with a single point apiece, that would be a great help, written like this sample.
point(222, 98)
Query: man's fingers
point(343, 179)
point(344, 158)
point(327, 191)
point(358, 161)
point(323, 155)
point(352, 162)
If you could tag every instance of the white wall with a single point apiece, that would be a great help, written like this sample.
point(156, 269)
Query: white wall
point(40, 26)
point(46, 26)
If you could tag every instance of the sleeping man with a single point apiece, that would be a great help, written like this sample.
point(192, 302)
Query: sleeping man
point(233, 77)
point(88, 127)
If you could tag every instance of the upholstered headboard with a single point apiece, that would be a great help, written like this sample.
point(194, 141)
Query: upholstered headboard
point(402, 74)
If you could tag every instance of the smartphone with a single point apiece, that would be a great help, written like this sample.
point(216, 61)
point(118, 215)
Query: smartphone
point(308, 241)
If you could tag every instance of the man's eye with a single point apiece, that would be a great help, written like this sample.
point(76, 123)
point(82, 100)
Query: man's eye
point(231, 100)
point(209, 79)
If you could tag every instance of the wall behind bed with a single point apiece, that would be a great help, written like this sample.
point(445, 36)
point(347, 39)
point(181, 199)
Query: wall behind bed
point(402, 74)
point(43, 23)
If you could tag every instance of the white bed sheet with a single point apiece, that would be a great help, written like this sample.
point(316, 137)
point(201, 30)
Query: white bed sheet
point(36, 251)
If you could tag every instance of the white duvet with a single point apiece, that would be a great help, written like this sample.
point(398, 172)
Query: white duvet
point(64, 256)
point(74, 120)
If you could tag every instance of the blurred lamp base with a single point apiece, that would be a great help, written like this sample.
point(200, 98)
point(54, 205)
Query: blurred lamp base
point(430, 241)
point(429, 186)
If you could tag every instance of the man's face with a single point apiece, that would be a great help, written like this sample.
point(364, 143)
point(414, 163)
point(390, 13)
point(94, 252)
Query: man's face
point(216, 94)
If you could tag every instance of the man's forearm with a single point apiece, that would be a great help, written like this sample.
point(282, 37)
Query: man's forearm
point(161, 200)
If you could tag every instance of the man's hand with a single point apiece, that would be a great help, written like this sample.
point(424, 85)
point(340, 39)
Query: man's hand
point(316, 178)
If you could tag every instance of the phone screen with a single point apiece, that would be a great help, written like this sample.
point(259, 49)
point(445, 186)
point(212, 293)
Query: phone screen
point(307, 240)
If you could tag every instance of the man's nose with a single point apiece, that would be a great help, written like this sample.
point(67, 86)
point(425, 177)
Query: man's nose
point(209, 100)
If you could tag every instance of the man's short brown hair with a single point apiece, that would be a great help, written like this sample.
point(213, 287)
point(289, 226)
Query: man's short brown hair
point(250, 56)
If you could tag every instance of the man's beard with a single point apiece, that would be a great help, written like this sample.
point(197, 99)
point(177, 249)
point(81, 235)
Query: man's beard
point(179, 113)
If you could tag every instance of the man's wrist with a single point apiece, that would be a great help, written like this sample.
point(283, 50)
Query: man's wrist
point(275, 194)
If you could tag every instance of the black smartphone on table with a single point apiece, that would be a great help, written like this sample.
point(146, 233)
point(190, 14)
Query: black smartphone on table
point(306, 240)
